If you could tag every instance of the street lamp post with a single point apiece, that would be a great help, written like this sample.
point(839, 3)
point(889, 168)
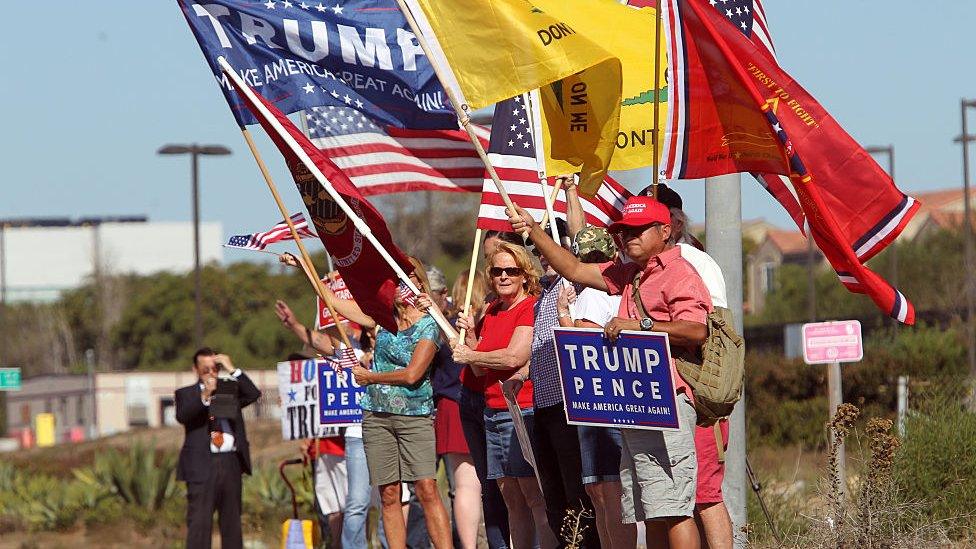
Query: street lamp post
point(195, 151)
point(893, 250)
point(967, 232)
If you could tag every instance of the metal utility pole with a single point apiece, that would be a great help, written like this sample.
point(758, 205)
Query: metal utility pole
point(811, 276)
point(967, 233)
point(3, 265)
point(889, 151)
point(723, 238)
point(92, 404)
point(195, 151)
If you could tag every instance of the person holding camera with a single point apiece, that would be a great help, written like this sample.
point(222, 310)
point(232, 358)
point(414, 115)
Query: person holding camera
point(215, 451)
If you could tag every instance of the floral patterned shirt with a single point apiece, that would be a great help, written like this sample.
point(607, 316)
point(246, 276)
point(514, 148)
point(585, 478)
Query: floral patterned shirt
point(393, 352)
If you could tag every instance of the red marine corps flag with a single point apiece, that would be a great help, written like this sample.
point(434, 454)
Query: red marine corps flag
point(369, 277)
point(733, 109)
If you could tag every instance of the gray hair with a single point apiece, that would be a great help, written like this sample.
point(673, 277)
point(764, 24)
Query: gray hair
point(436, 279)
point(679, 228)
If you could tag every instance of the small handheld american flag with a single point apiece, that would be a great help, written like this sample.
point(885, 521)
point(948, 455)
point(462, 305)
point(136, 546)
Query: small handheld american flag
point(343, 359)
point(407, 295)
point(259, 241)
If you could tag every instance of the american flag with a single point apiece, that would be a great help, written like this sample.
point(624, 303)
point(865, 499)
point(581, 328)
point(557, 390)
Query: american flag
point(750, 18)
point(345, 357)
point(382, 160)
point(407, 295)
point(259, 241)
point(512, 153)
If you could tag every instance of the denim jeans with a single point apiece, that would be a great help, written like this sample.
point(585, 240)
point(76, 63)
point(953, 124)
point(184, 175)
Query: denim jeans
point(357, 502)
point(472, 408)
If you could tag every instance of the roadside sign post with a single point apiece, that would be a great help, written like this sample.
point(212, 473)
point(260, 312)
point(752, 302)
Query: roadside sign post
point(831, 343)
point(9, 379)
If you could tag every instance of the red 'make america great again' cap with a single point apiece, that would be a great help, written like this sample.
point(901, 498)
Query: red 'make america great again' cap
point(640, 211)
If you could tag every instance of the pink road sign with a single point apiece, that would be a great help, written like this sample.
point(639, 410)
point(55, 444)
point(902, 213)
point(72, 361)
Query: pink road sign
point(838, 341)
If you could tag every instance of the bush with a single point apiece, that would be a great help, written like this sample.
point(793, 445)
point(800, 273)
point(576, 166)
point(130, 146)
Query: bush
point(141, 477)
point(787, 399)
point(936, 465)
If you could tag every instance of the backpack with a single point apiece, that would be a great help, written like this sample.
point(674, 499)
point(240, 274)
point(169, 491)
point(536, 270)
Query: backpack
point(715, 371)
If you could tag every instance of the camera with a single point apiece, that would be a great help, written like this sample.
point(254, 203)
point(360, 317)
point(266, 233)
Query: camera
point(225, 402)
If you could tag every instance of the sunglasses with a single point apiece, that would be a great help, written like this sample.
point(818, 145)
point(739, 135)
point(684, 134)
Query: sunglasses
point(496, 272)
point(628, 233)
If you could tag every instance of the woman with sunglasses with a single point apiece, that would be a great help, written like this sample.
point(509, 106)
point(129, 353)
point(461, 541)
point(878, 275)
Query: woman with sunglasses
point(398, 427)
point(497, 351)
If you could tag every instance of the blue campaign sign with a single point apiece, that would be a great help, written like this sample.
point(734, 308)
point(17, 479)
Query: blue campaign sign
point(339, 397)
point(344, 53)
point(623, 384)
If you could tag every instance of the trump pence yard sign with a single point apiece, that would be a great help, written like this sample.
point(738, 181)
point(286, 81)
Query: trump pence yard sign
point(623, 384)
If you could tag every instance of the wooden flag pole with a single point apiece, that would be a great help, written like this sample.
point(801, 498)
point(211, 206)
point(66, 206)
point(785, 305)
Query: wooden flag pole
point(308, 266)
point(357, 222)
point(471, 273)
point(459, 108)
point(552, 199)
point(657, 97)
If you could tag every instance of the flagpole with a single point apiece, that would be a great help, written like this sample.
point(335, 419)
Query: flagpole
point(455, 101)
point(358, 223)
point(532, 103)
point(308, 267)
point(471, 274)
point(657, 96)
point(558, 186)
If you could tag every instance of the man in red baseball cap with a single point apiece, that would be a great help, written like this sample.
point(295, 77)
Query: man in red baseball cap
point(656, 489)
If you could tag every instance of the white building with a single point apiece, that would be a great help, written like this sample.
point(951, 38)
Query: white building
point(41, 258)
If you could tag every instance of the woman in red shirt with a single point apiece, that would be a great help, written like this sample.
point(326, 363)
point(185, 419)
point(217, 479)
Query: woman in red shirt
point(497, 353)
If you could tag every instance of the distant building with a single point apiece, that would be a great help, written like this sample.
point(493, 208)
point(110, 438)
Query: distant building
point(939, 210)
point(40, 258)
point(124, 401)
point(778, 248)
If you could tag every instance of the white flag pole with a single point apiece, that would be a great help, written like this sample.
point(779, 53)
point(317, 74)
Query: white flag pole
point(358, 223)
point(533, 112)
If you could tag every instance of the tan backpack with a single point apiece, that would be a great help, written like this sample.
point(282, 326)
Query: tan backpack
point(715, 371)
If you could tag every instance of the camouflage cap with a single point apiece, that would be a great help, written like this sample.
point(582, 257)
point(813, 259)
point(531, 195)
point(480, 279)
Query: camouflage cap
point(596, 241)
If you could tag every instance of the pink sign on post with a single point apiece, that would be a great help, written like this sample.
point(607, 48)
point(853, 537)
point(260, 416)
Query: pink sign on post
point(827, 342)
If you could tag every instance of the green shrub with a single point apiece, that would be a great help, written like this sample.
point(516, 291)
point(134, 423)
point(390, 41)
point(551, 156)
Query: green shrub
point(141, 476)
point(936, 465)
point(787, 399)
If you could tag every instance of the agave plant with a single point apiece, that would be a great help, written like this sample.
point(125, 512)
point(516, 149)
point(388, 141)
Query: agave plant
point(140, 476)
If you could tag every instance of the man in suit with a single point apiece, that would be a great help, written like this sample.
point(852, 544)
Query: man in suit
point(215, 452)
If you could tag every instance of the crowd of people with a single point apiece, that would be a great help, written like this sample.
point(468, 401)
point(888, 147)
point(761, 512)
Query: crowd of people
point(530, 475)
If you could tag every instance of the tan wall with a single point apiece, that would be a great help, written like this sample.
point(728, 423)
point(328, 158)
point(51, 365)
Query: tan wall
point(120, 396)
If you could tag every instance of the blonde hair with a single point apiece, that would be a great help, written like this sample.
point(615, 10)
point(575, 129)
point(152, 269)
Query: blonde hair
point(523, 261)
point(478, 292)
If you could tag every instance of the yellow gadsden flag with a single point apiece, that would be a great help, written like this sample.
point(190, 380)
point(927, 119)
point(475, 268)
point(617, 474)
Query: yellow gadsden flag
point(628, 34)
point(499, 49)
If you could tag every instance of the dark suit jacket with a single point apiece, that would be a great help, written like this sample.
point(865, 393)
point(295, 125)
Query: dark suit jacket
point(194, 463)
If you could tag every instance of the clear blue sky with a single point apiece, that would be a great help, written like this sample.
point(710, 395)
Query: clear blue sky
point(92, 89)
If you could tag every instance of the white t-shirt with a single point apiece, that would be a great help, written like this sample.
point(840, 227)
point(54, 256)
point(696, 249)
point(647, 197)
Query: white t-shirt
point(710, 272)
point(596, 306)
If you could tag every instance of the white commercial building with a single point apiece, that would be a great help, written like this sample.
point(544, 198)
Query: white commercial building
point(41, 258)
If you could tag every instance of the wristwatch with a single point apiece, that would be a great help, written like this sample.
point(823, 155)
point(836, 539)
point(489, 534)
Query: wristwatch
point(646, 324)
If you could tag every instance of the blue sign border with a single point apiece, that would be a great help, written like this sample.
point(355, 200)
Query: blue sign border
point(568, 398)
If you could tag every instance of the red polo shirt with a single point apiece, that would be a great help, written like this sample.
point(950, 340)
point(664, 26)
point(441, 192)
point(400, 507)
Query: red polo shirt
point(670, 289)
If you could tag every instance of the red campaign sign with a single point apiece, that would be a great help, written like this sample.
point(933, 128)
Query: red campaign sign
point(338, 285)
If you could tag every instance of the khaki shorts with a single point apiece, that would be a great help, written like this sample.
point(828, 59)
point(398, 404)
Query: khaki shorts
point(658, 470)
point(399, 448)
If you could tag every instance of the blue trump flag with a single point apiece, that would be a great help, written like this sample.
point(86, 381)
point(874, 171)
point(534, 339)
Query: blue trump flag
point(344, 53)
point(626, 384)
